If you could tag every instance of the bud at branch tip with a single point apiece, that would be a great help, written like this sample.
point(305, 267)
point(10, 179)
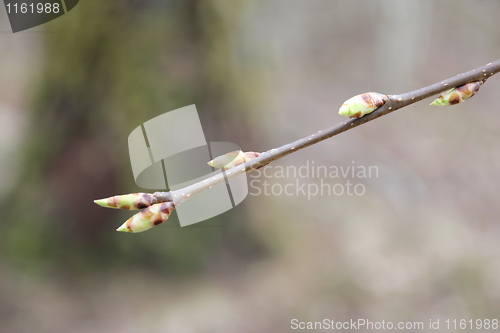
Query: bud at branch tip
point(128, 201)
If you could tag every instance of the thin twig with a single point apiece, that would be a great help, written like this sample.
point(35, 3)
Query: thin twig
point(395, 102)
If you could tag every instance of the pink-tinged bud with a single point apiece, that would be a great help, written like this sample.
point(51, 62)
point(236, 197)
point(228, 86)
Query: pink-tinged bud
point(458, 94)
point(232, 159)
point(148, 218)
point(128, 201)
point(359, 105)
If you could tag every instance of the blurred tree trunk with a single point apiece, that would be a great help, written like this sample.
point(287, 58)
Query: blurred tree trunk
point(108, 67)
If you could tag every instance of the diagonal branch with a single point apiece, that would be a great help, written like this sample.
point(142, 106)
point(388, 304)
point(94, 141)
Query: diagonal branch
point(394, 102)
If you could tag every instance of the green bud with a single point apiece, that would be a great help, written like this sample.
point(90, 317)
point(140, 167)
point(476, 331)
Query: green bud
point(232, 159)
point(148, 218)
point(128, 201)
point(359, 105)
point(458, 94)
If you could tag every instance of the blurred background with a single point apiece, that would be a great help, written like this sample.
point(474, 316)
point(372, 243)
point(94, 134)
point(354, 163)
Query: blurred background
point(421, 242)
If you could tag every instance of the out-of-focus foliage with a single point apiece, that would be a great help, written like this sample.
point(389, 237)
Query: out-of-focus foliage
point(108, 67)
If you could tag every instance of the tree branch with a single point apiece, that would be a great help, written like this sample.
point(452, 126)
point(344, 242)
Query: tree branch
point(394, 102)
